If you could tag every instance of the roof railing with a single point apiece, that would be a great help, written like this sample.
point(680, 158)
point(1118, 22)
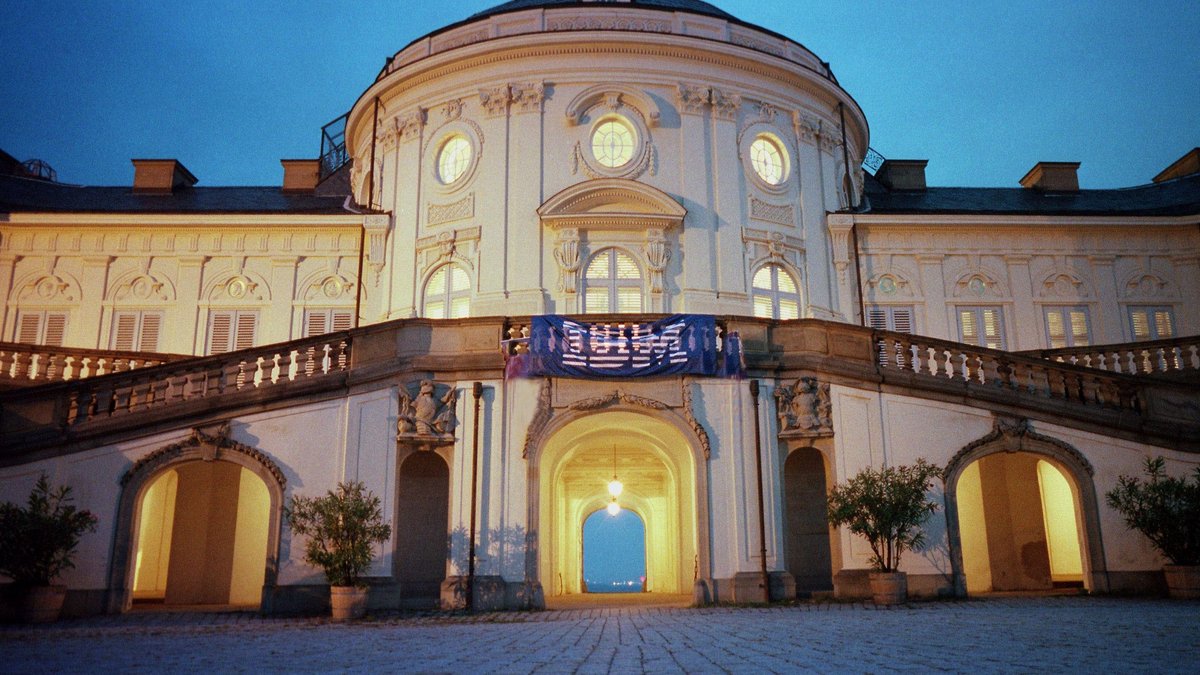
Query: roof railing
point(333, 146)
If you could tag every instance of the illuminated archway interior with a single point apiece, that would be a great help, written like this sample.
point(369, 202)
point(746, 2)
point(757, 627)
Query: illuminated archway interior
point(614, 551)
point(1018, 518)
point(655, 466)
point(202, 536)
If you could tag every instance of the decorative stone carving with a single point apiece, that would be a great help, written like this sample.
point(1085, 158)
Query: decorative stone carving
point(568, 257)
point(376, 226)
point(591, 22)
point(452, 109)
point(50, 288)
point(658, 254)
point(692, 99)
point(808, 127)
point(977, 284)
point(1013, 434)
point(689, 414)
point(495, 100)
point(617, 396)
point(647, 162)
point(427, 417)
point(541, 418)
point(725, 105)
point(212, 442)
point(528, 97)
point(1063, 285)
point(1148, 285)
point(409, 124)
point(330, 287)
point(459, 210)
point(804, 409)
point(780, 214)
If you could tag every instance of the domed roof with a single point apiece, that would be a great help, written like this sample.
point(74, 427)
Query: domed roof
point(693, 6)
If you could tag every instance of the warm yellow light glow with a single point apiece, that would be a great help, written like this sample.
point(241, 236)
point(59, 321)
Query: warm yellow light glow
point(615, 487)
point(613, 507)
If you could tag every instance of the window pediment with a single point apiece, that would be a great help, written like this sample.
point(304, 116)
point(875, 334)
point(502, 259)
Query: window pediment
point(611, 203)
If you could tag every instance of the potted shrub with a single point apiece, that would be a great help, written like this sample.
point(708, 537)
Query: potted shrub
point(1167, 510)
point(887, 508)
point(37, 543)
point(342, 529)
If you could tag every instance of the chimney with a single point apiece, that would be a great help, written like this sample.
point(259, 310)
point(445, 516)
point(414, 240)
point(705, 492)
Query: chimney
point(162, 176)
point(300, 175)
point(902, 174)
point(1053, 177)
point(1184, 166)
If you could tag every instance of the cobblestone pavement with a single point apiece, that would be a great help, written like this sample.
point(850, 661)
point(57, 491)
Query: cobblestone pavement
point(1045, 634)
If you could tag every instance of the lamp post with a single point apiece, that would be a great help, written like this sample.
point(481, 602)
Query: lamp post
point(477, 391)
point(762, 523)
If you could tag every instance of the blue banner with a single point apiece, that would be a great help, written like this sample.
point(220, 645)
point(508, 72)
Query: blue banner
point(684, 344)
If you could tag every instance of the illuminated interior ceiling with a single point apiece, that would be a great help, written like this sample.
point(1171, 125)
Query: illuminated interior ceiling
point(653, 462)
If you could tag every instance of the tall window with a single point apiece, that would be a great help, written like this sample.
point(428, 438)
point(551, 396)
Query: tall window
point(230, 330)
point(1067, 326)
point(613, 283)
point(448, 294)
point(983, 326)
point(42, 328)
point(136, 331)
point(774, 293)
point(887, 317)
point(1151, 323)
point(321, 321)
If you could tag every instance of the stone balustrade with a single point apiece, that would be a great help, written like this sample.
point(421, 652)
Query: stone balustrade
point(55, 410)
point(28, 365)
point(1174, 356)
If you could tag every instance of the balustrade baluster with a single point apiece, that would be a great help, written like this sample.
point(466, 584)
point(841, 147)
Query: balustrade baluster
point(343, 353)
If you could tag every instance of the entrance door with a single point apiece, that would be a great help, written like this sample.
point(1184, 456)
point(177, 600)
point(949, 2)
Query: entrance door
point(614, 553)
point(421, 525)
point(808, 556)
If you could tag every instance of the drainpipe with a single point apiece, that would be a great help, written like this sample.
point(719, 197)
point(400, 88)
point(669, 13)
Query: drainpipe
point(846, 157)
point(762, 523)
point(477, 391)
point(375, 132)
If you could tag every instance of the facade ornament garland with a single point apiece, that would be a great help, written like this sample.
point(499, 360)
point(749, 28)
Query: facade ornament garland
point(689, 414)
point(617, 396)
point(212, 442)
point(648, 162)
point(569, 259)
point(427, 418)
point(452, 109)
point(804, 409)
point(541, 418)
point(1013, 435)
point(658, 254)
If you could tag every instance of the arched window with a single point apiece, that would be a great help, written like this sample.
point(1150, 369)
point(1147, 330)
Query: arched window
point(613, 283)
point(775, 294)
point(448, 294)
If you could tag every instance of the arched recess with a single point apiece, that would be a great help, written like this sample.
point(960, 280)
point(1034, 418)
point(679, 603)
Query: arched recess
point(207, 445)
point(422, 526)
point(665, 477)
point(809, 555)
point(1019, 437)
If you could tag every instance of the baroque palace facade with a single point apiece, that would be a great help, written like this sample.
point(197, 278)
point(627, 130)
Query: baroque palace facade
point(613, 217)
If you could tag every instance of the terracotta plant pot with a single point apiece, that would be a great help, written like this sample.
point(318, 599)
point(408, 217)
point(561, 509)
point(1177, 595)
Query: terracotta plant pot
point(889, 588)
point(1183, 581)
point(348, 602)
point(42, 604)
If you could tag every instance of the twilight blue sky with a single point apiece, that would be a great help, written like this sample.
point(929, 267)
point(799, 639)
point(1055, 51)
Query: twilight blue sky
point(982, 90)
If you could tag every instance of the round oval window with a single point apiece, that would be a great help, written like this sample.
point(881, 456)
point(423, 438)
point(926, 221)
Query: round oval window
point(766, 158)
point(453, 159)
point(612, 142)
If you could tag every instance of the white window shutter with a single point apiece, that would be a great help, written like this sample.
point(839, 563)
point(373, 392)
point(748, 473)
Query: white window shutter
point(315, 322)
point(247, 323)
point(56, 329)
point(151, 327)
point(902, 320)
point(343, 319)
point(29, 328)
point(220, 332)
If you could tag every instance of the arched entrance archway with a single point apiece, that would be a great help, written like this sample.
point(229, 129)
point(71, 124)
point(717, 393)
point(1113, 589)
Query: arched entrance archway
point(422, 522)
point(614, 552)
point(211, 487)
point(660, 473)
point(809, 558)
point(1022, 514)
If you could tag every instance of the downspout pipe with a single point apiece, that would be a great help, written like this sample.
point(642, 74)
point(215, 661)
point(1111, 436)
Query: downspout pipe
point(762, 519)
point(477, 392)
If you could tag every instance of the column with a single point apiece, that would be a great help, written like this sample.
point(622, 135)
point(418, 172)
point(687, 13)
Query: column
point(697, 240)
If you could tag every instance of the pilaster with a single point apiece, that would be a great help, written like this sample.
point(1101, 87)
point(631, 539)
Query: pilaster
point(85, 326)
point(1027, 323)
point(937, 321)
point(1108, 321)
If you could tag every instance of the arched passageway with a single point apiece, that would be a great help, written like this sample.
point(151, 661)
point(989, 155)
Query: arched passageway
point(807, 541)
point(202, 536)
point(614, 552)
point(1017, 518)
point(658, 470)
point(422, 519)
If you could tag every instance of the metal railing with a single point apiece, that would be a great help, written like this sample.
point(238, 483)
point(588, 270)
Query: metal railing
point(333, 146)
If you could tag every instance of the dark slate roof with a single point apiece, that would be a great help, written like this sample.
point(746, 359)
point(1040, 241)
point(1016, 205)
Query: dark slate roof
point(693, 6)
point(1178, 197)
point(30, 195)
